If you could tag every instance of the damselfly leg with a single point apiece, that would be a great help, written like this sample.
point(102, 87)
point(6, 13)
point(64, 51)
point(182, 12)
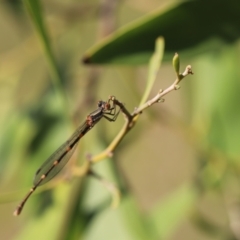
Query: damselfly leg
point(111, 110)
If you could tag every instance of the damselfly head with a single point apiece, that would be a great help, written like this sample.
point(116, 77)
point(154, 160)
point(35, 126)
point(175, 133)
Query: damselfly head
point(101, 104)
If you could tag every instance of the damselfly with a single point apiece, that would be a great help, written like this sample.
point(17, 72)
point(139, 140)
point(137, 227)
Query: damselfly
point(60, 157)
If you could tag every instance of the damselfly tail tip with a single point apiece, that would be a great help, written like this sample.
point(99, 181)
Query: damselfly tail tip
point(17, 212)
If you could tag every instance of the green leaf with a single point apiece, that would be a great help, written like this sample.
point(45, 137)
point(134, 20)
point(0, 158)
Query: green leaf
point(168, 215)
point(183, 27)
point(176, 64)
point(35, 11)
point(154, 66)
point(124, 221)
point(219, 81)
point(43, 225)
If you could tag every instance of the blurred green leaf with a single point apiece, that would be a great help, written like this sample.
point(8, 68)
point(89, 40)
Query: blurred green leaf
point(176, 64)
point(184, 26)
point(43, 225)
point(168, 214)
point(220, 83)
point(35, 10)
point(13, 144)
point(137, 223)
point(154, 66)
point(113, 220)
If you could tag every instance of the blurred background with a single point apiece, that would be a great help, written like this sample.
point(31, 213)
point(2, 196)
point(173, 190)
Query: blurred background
point(177, 169)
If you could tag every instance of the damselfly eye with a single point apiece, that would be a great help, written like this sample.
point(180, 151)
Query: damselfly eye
point(100, 104)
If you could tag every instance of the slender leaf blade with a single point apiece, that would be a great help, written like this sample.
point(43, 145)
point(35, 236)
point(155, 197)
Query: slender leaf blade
point(185, 27)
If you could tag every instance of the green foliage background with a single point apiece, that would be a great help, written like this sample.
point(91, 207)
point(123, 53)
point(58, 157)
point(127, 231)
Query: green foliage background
point(178, 169)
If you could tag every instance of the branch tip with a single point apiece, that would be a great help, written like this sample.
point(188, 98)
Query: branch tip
point(176, 87)
point(161, 100)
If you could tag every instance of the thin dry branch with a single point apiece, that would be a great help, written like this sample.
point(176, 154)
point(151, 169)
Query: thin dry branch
point(131, 118)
